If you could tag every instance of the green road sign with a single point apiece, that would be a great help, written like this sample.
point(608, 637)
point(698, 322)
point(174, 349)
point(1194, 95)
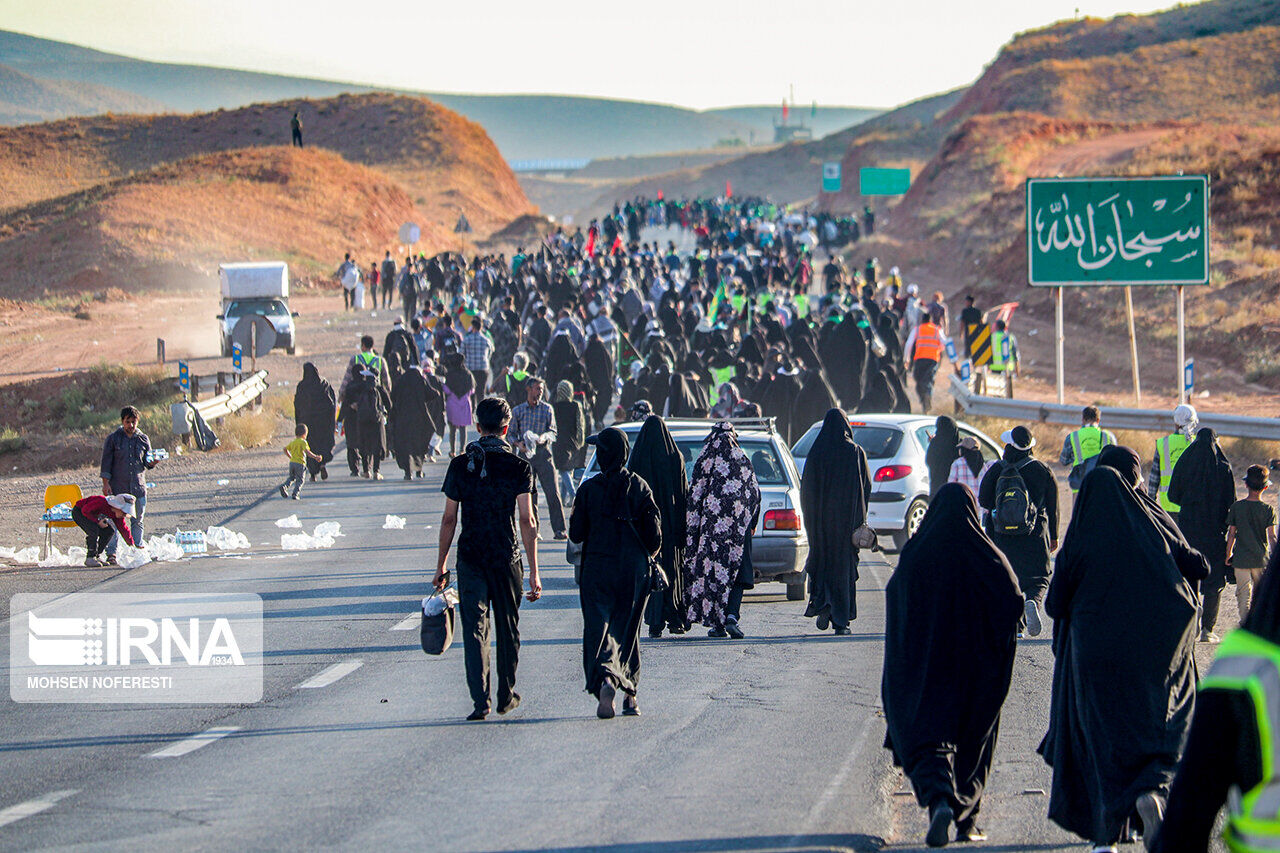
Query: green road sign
point(883, 181)
point(831, 177)
point(1089, 231)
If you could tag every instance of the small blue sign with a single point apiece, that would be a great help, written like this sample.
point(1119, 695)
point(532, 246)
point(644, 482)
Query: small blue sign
point(951, 350)
point(184, 376)
point(966, 371)
point(1189, 376)
point(236, 352)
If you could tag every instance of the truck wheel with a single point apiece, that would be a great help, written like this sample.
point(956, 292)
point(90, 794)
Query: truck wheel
point(795, 591)
point(915, 515)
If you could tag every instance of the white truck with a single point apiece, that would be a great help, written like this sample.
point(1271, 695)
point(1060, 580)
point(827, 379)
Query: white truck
point(251, 291)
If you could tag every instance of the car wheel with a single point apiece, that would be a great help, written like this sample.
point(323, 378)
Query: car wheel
point(795, 591)
point(911, 523)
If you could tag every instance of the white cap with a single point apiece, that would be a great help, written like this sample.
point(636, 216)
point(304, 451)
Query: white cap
point(913, 289)
point(1184, 415)
point(893, 270)
point(125, 503)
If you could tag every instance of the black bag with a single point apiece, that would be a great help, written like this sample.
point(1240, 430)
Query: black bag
point(657, 577)
point(1015, 514)
point(437, 631)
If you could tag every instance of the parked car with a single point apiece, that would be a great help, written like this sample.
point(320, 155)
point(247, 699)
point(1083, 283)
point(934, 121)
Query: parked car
point(895, 447)
point(779, 546)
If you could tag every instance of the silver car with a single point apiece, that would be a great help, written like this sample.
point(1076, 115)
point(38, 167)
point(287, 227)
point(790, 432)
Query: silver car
point(779, 546)
point(895, 447)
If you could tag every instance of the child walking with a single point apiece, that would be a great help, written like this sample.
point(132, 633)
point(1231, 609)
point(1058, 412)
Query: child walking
point(1251, 534)
point(298, 452)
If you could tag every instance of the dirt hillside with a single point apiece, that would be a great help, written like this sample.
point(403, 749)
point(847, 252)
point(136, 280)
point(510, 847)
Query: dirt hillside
point(445, 163)
point(170, 226)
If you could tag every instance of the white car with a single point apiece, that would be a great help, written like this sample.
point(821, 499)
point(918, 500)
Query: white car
point(895, 447)
point(779, 546)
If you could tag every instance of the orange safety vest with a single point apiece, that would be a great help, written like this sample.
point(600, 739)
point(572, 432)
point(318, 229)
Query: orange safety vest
point(928, 342)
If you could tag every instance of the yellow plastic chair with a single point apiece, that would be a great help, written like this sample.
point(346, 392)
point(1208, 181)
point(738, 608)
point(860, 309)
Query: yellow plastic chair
point(54, 495)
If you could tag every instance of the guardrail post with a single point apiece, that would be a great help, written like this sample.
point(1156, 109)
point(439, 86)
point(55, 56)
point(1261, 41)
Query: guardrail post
point(160, 350)
point(195, 388)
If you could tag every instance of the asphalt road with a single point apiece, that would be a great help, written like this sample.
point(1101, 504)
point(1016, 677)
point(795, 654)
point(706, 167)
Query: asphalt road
point(769, 743)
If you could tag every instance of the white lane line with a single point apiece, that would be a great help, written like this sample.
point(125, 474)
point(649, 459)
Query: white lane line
point(194, 742)
point(409, 623)
point(327, 676)
point(30, 807)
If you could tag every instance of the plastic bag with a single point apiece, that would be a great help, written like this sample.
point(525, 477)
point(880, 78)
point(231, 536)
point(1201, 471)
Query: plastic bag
point(322, 537)
point(290, 522)
point(393, 522)
point(226, 540)
point(437, 602)
point(75, 556)
point(164, 549)
point(128, 557)
point(23, 556)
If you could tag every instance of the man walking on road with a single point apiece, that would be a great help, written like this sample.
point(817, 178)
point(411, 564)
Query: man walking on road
point(1081, 447)
point(126, 459)
point(926, 348)
point(388, 279)
point(534, 425)
point(1168, 451)
point(477, 349)
point(492, 485)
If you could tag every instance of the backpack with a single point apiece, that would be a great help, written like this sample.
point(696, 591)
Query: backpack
point(349, 275)
point(1015, 514)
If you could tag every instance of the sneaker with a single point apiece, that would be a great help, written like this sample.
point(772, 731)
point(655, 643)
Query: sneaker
point(283, 493)
point(355, 473)
point(512, 704)
point(364, 474)
point(605, 710)
point(718, 633)
point(1032, 610)
point(109, 560)
point(324, 473)
point(92, 562)
point(1209, 637)
point(477, 715)
point(297, 497)
point(561, 536)
point(970, 833)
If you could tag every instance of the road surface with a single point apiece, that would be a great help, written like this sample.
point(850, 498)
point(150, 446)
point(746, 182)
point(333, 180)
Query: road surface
point(769, 743)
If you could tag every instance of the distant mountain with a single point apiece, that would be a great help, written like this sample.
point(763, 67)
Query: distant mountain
point(522, 126)
point(25, 99)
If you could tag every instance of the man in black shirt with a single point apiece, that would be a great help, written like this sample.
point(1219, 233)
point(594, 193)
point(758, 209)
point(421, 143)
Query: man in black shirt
point(491, 483)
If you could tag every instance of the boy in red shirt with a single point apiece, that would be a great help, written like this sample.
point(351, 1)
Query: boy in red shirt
point(100, 517)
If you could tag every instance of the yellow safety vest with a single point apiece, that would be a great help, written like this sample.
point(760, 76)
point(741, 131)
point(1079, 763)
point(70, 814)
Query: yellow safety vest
point(372, 361)
point(997, 352)
point(1251, 665)
point(1087, 442)
point(1169, 449)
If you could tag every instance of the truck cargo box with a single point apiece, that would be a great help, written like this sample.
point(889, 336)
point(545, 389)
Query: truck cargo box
point(256, 280)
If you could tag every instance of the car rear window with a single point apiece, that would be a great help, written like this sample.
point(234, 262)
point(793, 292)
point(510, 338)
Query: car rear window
point(764, 459)
point(879, 442)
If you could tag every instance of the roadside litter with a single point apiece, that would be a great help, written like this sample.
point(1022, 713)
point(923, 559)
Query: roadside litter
point(393, 522)
point(191, 542)
point(24, 556)
point(289, 522)
point(74, 557)
point(323, 536)
point(226, 540)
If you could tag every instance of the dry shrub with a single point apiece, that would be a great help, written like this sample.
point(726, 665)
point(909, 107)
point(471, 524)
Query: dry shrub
point(249, 429)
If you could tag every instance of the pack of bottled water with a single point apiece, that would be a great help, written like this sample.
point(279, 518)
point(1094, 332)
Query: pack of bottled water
point(157, 454)
point(191, 541)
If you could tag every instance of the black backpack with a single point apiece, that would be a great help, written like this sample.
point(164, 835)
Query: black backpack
point(1015, 513)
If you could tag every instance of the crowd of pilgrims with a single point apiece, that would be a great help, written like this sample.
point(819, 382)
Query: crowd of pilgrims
point(729, 331)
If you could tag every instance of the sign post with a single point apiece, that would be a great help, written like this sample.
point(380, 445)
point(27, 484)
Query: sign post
point(1133, 344)
point(1118, 231)
point(1188, 379)
point(184, 377)
point(831, 177)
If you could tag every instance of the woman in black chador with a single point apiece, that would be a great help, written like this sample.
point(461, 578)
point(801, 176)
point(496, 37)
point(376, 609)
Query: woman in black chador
point(316, 406)
point(952, 610)
point(1124, 677)
point(833, 501)
point(658, 461)
point(616, 521)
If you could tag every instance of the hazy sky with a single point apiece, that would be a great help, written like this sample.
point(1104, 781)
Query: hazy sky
point(697, 53)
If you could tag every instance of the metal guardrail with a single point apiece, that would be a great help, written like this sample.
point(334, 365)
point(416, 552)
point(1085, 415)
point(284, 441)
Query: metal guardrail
point(1152, 420)
point(235, 399)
